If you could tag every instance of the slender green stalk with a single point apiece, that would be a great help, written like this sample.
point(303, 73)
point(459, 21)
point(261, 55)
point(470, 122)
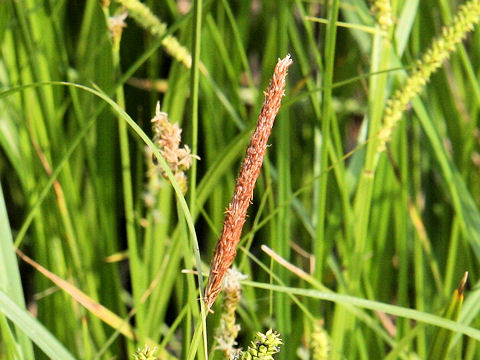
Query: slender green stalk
point(283, 163)
point(136, 269)
point(194, 89)
point(330, 42)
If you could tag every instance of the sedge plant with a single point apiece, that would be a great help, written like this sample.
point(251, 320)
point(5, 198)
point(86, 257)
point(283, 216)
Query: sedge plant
point(367, 198)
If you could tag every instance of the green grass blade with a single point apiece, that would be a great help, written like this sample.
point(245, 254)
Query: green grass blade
point(10, 344)
point(462, 200)
point(10, 281)
point(374, 305)
point(33, 329)
point(443, 337)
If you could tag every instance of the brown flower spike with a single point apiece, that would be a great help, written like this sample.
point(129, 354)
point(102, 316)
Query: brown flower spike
point(226, 247)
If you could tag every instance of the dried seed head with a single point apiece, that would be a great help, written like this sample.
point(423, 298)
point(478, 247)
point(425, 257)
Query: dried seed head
point(226, 247)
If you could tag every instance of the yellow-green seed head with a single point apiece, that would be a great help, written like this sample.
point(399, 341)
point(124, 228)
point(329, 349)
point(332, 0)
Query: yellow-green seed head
point(464, 21)
point(264, 346)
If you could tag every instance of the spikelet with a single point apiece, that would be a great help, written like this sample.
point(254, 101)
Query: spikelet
point(226, 247)
point(263, 348)
point(147, 353)
point(167, 137)
point(319, 343)
point(116, 24)
point(147, 20)
point(383, 11)
point(227, 332)
point(464, 22)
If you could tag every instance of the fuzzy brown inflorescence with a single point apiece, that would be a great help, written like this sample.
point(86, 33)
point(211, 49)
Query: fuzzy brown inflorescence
point(226, 247)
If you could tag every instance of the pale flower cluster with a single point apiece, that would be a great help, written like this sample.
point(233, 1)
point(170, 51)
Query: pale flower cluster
point(167, 137)
point(228, 331)
point(384, 14)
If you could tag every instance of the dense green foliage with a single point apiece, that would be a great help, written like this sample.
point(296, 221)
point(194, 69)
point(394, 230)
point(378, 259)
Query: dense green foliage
point(383, 234)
